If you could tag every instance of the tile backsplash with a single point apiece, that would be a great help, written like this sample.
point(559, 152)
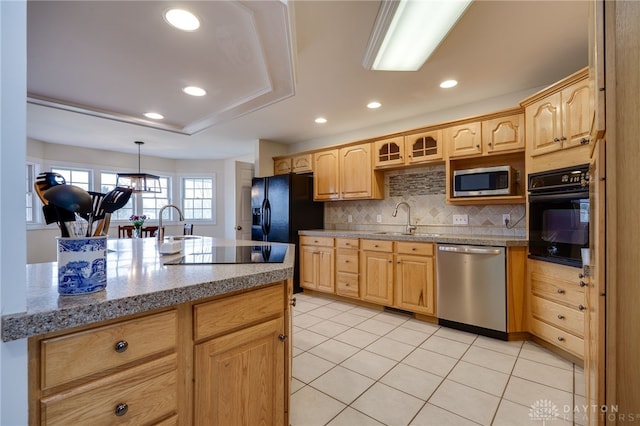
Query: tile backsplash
point(424, 189)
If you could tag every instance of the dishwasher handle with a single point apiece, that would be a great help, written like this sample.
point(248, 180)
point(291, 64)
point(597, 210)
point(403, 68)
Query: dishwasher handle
point(470, 249)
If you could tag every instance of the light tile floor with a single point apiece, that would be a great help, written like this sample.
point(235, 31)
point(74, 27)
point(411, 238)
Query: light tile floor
point(358, 366)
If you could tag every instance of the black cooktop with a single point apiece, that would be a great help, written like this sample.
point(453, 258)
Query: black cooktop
point(268, 253)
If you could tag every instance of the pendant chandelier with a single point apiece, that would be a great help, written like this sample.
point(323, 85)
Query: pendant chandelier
point(139, 182)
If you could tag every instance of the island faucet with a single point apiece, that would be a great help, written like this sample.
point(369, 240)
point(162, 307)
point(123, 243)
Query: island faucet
point(160, 232)
point(409, 228)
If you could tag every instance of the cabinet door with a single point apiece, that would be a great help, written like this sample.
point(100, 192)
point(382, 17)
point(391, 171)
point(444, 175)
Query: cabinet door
point(302, 163)
point(376, 279)
point(282, 166)
point(356, 171)
point(326, 177)
point(415, 283)
point(307, 267)
point(325, 269)
point(388, 152)
point(503, 134)
point(543, 125)
point(464, 139)
point(241, 377)
point(423, 147)
point(577, 114)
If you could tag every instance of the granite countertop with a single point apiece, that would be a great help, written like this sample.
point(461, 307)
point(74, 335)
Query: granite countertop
point(137, 281)
point(485, 240)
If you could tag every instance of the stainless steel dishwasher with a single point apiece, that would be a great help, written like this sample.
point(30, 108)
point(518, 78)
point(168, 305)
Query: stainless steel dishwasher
point(471, 289)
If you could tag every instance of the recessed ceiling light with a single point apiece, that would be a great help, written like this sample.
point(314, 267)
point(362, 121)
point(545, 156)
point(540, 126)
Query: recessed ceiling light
point(182, 19)
point(154, 115)
point(194, 91)
point(448, 84)
point(374, 105)
point(321, 120)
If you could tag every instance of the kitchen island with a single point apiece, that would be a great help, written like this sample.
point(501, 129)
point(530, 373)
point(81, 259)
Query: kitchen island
point(159, 340)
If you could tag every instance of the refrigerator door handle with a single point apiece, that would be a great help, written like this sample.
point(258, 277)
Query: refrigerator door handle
point(266, 216)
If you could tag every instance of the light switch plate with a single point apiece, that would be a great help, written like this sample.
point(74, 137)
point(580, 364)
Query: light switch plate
point(349, 218)
point(379, 218)
point(460, 219)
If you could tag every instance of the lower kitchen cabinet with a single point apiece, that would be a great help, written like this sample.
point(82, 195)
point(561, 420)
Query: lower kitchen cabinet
point(376, 266)
point(347, 267)
point(317, 264)
point(415, 277)
point(224, 361)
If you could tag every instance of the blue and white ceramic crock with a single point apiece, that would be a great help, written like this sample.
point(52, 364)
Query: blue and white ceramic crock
point(82, 265)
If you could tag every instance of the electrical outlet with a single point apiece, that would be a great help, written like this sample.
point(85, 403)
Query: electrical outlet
point(460, 219)
point(350, 218)
point(379, 218)
point(506, 218)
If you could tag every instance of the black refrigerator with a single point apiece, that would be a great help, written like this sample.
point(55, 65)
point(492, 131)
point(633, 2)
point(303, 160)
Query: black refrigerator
point(281, 206)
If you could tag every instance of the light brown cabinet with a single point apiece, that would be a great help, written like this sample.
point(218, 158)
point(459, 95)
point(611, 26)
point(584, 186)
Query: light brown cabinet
point(317, 263)
point(376, 266)
point(495, 135)
point(282, 166)
point(557, 305)
point(347, 267)
point(302, 163)
point(326, 175)
point(388, 152)
point(424, 147)
point(415, 277)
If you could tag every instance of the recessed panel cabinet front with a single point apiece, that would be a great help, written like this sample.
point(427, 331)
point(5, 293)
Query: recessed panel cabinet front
point(357, 178)
point(415, 277)
point(240, 377)
point(326, 182)
point(376, 266)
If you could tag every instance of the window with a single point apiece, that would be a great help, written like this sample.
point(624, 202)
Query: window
point(30, 193)
point(153, 201)
point(77, 177)
point(107, 183)
point(198, 198)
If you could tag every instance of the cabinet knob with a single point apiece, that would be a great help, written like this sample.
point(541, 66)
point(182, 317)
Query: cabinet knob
point(560, 339)
point(582, 283)
point(560, 291)
point(121, 346)
point(584, 141)
point(581, 307)
point(282, 337)
point(478, 146)
point(556, 140)
point(293, 302)
point(580, 275)
point(563, 138)
point(121, 409)
point(346, 261)
point(489, 143)
point(560, 317)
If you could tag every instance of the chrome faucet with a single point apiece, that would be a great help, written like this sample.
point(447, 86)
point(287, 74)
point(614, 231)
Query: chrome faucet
point(160, 232)
point(409, 228)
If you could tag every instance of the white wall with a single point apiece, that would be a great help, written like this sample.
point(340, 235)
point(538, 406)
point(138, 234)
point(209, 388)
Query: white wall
point(13, 88)
point(265, 151)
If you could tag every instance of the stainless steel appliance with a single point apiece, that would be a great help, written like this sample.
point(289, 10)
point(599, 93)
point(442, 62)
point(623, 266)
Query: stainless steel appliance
point(480, 182)
point(471, 288)
point(559, 215)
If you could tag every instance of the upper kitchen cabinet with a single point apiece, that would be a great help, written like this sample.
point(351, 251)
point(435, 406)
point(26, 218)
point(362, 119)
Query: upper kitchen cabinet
point(389, 152)
point(346, 173)
point(558, 118)
point(494, 134)
point(326, 176)
point(357, 178)
point(423, 147)
point(297, 164)
point(282, 166)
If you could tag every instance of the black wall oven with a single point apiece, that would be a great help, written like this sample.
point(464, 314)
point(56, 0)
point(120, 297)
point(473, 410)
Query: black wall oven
point(559, 215)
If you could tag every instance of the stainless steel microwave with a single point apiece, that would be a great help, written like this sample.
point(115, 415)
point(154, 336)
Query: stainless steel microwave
point(485, 181)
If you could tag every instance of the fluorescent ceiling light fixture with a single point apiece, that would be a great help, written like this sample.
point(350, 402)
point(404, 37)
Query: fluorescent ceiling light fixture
point(448, 84)
point(194, 91)
point(320, 120)
point(182, 19)
point(154, 115)
point(407, 32)
point(374, 105)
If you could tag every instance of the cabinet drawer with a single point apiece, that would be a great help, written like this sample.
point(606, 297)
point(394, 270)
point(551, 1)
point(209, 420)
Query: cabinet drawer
point(308, 240)
point(148, 390)
point(424, 249)
point(347, 261)
point(557, 337)
point(347, 284)
point(218, 316)
point(377, 245)
point(570, 294)
point(347, 243)
point(82, 354)
point(558, 315)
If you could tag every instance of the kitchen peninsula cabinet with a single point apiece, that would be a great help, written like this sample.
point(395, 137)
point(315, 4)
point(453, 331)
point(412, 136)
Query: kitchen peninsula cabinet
point(376, 265)
point(415, 277)
point(317, 264)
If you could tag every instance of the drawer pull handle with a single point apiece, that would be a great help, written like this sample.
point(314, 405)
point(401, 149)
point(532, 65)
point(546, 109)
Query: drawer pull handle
point(560, 291)
point(121, 346)
point(560, 317)
point(282, 337)
point(582, 283)
point(560, 339)
point(581, 307)
point(293, 302)
point(121, 409)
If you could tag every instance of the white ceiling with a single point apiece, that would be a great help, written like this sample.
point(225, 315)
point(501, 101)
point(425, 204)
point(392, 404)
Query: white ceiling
point(94, 67)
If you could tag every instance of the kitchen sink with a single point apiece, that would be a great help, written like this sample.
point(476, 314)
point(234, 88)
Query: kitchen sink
point(181, 237)
point(415, 234)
